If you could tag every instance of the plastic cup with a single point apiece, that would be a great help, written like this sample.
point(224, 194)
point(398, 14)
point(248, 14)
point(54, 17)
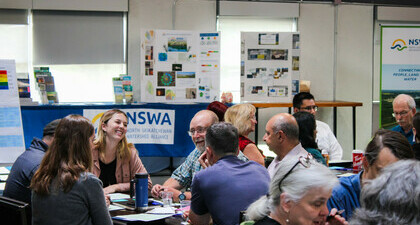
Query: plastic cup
point(166, 198)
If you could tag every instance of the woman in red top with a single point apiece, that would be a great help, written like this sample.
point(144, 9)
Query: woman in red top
point(242, 116)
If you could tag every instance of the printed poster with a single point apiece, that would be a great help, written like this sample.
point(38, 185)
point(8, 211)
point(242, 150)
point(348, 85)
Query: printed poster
point(12, 142)
point(179, 66)
point(269, 66)
point(144, 126)
point(400, 68)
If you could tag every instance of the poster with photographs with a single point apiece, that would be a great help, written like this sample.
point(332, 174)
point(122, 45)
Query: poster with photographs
point(269, 66)
point(179, 66)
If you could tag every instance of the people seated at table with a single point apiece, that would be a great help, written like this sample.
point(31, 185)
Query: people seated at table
point(282, 137)
point(115, 161)
point(305, 101)
point(307, 134)
point(242, 116)
point(25, 166)
point(182, 177)
point(404, 108)
point(218, 108)
point(298, 195)
point(229, 185)
point(416, 133)
point(385, 148)
point(63, 190)
point(391, 198)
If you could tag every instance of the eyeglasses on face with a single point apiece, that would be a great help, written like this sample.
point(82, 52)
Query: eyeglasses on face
point(402, 113)
point(199, 130)
point(309, 108)
point(304, 161)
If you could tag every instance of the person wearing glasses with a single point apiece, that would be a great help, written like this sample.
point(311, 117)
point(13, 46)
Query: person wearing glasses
point(385, 148)
point(242, 116)
point(223, 190)
point(305, 101)
point(404, 108)
point(298, 195)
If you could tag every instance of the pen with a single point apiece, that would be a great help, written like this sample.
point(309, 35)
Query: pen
point(329, 217)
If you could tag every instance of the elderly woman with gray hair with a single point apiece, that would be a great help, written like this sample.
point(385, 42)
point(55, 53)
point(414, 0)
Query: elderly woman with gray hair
point(298, 195)
point(393, 198)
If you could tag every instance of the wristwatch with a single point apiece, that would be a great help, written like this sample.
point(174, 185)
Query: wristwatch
point(182, 196)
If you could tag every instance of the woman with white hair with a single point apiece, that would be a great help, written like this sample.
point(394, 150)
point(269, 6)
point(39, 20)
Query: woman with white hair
point(393, 198)
point(298, 195)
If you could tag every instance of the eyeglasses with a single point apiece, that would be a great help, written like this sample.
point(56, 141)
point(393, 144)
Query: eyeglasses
point(199, 130)
point(305, 161)
point(309, 108)
point(402, 113)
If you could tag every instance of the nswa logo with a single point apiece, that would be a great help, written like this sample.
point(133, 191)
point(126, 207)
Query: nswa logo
point(149, 118)
point(399, 44)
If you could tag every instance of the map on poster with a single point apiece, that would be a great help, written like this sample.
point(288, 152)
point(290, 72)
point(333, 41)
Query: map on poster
point(179, 66)
point(269, 66)
point(11, 132)
point(400, 68)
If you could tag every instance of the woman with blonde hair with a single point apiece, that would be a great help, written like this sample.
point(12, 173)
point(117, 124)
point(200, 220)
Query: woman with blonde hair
point(242, 116)
point(115, 161)
point(63, 190)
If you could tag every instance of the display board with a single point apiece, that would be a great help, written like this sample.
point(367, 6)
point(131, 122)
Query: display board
point(11, 132)
point(400, 68)
point(269, 66)
point(179, 66)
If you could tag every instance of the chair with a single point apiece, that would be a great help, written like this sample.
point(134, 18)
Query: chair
point(14, 212)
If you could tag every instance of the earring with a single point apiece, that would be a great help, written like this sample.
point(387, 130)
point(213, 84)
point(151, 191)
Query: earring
point(287, 220)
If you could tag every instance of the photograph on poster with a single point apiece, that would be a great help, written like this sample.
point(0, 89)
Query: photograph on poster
point(170, 95)
point(190, 93)
point(268, 39)
point(160, 91)
point(177, 44)
point(176, 67)
point(279, 54)
point(296, 41)
point(295, 63)
point(258, 54)
point(277, 91)
point(256, 72)
point(295, 87)
point(148, 68)
point(163, 57)
point(166, 78)
point(185, 79)
point(280, 72)
point(256, 89)
point(242, 89)
point(149, 52)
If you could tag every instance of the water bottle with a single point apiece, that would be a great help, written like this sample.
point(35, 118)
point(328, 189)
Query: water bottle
point(141, 187)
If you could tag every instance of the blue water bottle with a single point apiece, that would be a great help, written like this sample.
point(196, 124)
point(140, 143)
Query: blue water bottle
point(141, 182)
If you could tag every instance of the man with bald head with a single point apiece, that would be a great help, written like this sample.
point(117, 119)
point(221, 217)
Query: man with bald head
point(282, 137)
point(404, 108)
point(183, 175)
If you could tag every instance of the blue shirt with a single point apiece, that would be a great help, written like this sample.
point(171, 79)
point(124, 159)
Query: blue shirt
point(23, 169)
point(346, 195)
point(409, 135)
point(228, 187)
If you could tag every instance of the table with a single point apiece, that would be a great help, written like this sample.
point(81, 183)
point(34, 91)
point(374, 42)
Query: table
point(334, 104)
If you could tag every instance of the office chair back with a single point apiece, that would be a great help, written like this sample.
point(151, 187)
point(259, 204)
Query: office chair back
point(14, 212)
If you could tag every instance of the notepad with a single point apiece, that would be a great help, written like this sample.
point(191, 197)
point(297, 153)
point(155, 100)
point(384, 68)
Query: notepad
point(118, 196)
point(142, 217)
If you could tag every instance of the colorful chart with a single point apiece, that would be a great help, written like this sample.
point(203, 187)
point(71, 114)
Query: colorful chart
point(4, 85)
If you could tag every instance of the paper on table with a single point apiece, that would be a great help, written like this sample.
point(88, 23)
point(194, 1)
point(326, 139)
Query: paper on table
point(142, 217)
point(162, 210)
point(114, 207)
point(117, 196)
point(4, 170)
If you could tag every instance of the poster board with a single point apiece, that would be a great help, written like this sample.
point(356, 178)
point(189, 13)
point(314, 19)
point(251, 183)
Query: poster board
point(400, 68)
point(11, 132)
point(179, 66)
point(269, 66)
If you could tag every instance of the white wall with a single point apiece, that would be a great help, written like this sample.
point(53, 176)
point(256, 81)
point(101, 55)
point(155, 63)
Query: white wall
point(354, 73)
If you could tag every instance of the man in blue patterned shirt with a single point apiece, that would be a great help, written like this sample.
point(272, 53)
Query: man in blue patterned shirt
point(183, 175)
